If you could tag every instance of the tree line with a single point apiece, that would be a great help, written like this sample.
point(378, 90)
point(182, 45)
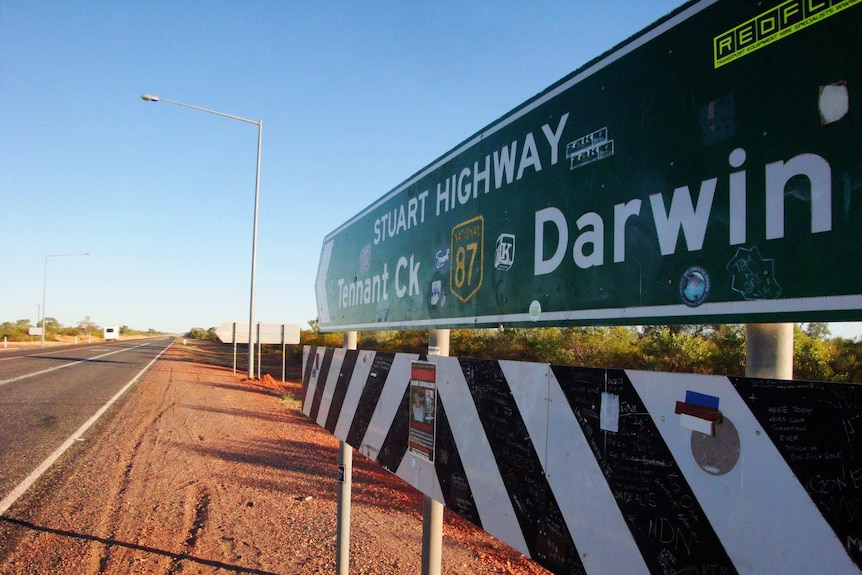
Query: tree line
point(20, 330)
point(702, 349)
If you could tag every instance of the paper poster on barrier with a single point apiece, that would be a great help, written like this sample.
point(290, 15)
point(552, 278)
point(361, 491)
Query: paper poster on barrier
point(423, 407)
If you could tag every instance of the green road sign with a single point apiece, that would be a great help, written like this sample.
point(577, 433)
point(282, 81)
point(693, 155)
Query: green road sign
point(709, 170)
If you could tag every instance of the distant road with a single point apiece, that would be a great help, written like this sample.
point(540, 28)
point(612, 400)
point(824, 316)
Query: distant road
point(46, 395)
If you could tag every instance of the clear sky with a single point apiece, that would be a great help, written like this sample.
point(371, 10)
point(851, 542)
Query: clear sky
point(355, 97)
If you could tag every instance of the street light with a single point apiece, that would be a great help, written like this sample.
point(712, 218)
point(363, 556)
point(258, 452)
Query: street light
point(45, 287)
point(259, 124)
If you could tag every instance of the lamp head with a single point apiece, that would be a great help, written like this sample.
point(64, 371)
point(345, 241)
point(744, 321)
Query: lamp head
point(149, 98)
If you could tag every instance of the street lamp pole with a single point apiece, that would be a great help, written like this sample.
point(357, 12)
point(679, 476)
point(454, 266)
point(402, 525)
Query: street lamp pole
point(259, 124)
point(45, 288)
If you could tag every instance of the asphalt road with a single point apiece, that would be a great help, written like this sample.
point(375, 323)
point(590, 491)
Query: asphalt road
point(46, 395)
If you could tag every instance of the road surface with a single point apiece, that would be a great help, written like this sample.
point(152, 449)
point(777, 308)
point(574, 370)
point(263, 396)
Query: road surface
point(47, 395)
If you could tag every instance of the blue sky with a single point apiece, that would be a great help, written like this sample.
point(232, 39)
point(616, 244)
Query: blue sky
point(354, 96)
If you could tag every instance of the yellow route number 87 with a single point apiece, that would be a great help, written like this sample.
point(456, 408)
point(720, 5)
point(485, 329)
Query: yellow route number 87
point(468, 239)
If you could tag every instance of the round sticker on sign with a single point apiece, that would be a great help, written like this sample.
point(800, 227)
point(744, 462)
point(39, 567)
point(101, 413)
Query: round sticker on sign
point(716, 454)
point(694, 286)
point(535, 310)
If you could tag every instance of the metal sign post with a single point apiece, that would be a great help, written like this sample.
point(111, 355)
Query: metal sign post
point(345, 485)
point(769, 350)
point(283, 352)
point(432, 510)
point(233, 339)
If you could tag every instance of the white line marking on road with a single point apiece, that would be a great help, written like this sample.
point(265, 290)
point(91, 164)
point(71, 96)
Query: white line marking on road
point(50, 369)
point(22, 487)
point(40, 353)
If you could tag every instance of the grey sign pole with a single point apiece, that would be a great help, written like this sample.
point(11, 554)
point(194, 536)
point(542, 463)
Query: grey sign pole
point(345, 484)
point(233, 338)
point(769, 350)
point(432, 510)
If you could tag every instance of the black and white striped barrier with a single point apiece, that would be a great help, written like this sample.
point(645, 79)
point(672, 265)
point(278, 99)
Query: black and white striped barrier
point(612, 471)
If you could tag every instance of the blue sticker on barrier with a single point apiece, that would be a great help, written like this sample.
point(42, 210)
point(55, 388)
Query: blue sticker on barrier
point(701, 399)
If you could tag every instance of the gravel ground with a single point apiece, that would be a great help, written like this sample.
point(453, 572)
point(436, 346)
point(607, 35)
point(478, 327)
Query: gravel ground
point(200, 471)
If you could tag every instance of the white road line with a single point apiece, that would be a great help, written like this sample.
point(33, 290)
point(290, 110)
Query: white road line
point(22, 487)
point(39, 353)
point(55, 368)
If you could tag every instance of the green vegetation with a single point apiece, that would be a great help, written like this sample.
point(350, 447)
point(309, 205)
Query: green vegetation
point(20, 330)
point(705, 349)
point(201, 333)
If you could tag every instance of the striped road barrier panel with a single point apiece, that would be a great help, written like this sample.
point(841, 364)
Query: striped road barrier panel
point(589, 470)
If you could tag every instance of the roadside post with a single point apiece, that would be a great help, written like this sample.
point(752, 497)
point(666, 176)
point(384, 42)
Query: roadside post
point(432, 510)
point(283, 352)
point(345, 486)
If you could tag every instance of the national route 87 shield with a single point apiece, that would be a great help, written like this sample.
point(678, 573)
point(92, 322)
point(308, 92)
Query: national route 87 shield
point(466, 262)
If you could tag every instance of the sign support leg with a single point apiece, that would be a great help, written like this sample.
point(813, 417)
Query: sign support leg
point(432, 510)
point(432, 536)
point(769, 350)
point(345, 484)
